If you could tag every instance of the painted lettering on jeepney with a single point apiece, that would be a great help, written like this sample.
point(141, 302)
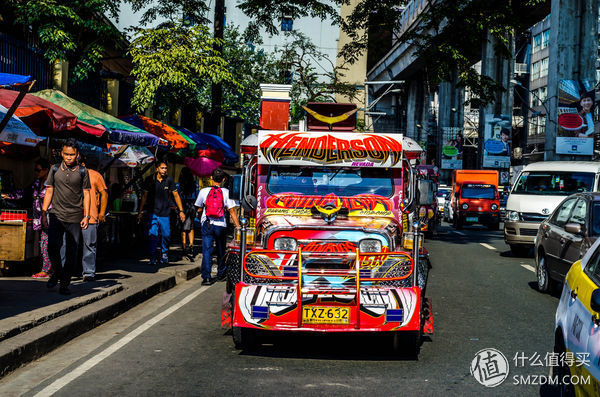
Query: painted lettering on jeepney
point(319, 246)
point(332, 148)
point(360, 205)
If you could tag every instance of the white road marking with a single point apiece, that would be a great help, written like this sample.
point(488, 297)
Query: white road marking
point(488, 246)
point(86, 366)
point(459, 233)
point(529, 267)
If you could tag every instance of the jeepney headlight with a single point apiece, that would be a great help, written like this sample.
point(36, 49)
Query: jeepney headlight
point(465, 206)
point(512, 215)
point(369, 245)
point(285, 244)
point(494, 207)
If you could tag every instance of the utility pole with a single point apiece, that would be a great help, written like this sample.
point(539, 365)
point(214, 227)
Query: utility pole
point(214, 121)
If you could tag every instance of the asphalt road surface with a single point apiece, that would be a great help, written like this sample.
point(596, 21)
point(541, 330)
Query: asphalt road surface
point(482, 296)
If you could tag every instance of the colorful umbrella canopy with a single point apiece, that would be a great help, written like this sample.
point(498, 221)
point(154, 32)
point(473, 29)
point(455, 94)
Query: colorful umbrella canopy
point(43, 117)
point(131, 157)
point(118, 130)
point(162, 130)
point(17, 132)
point(7, 79)
point(210, 141)
point(201, 166)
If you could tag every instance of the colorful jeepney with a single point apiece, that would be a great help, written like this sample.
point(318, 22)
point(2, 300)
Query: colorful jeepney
point(325, 247)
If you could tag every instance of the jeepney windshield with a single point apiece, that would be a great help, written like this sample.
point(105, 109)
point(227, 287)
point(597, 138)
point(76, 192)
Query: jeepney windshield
point(344, 182)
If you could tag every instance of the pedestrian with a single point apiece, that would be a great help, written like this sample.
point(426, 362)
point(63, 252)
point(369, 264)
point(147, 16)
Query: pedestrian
point(68, 191)
point(36, 191)
point(188, 188)
point(98, 203)
point(156, 202)
point(212, 201)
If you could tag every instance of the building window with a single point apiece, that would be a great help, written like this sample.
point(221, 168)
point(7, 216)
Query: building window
point(537, 42)
point(545, 38)
point(534, 98)
point(544, 67)
point(542, 127)
point(287, 24)
point(543, 93)
point(535, 71)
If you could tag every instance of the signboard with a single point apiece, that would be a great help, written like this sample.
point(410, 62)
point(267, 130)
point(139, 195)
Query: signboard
point(497, 141)
point(330, 149)
point(452, 150)
point(575, 130)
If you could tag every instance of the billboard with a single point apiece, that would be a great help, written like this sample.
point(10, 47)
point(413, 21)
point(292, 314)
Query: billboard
point(497, 135)
point(452, 151)
point(575, 130)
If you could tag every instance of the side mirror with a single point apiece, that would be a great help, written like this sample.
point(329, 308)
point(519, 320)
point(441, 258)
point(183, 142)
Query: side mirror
point(236, 187)
point(595, 301)
point(573, 228)
point(425, 192)
point(249, 203)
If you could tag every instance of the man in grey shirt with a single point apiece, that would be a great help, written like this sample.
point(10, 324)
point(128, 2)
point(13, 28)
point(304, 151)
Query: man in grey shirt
point(68, 190)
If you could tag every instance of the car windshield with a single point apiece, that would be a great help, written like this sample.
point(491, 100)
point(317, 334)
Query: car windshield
point(556, 183)
point(344, 182)
point(478, 191)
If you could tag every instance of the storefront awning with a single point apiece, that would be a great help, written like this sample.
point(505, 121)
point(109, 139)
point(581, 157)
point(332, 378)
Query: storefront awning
point(157, 128)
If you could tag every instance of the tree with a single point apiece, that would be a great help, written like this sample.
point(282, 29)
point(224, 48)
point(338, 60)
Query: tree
point(449, 36)
point(315, 77)
point(172, 65)
point(73, 31)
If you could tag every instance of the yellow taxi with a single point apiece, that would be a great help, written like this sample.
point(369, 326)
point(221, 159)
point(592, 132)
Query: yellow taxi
point(577, 328)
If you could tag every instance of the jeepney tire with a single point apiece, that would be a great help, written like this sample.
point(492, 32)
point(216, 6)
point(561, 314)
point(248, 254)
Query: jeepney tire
point(244, 338)
point(494, 226)
point(406, 343)
point(233, 272)
point(544, 283)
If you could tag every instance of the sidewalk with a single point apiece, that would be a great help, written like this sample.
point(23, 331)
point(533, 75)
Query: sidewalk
point(35, 320)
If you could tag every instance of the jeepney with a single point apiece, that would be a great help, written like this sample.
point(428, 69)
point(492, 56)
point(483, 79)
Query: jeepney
point(327, 247)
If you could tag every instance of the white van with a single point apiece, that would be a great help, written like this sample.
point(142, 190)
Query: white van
point(539, 188)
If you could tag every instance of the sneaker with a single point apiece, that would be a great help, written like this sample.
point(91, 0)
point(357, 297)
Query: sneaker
point(41, 275)
point(164, 260)
point(208, 281)
point(52, 282)
point(64, 290)
point(89, 278)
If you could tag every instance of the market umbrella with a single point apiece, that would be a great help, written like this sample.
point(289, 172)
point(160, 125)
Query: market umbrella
point(209, 141)
point(201, 166)
point(162, 130)
point(8, 80)
point(132, 156)
point(117, 130)
point(17, 132)
point(43, 117)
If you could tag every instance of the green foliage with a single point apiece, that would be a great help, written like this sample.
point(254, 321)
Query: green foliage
point(191, 11)
point(69, 30)
point(173, 64)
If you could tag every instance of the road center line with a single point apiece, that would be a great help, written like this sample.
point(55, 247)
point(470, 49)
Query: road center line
point(86, 366)
point(529, 267)
point(459, 233)
point(488, 246)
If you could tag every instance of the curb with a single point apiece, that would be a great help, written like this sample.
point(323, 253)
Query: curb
point(38, 341)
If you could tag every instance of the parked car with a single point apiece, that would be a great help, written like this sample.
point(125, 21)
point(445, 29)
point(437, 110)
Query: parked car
point(576, 326)
point(565, 237)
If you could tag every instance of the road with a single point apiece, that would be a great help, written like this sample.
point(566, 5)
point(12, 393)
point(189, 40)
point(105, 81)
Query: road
point(482, 298)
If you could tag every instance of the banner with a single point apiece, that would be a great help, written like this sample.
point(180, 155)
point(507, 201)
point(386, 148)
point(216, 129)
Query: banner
point(575, 130)
point(497, 141)
point(452, 151)
point(331, 149)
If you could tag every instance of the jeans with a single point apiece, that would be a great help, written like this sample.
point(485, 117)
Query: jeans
point(212, 234)
point(159, 226)
point(59, 234)
point(88, 259)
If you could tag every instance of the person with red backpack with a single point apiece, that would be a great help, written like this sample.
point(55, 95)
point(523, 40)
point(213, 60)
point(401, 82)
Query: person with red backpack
point(213, 201)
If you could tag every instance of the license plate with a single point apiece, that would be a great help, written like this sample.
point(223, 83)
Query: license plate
point(472, 219)
point(325, 315)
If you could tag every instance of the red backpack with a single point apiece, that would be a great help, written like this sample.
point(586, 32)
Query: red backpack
point(214, 206)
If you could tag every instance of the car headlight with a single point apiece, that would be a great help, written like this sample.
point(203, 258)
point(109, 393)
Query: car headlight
point(465, 206)
point(369, 245)
point(494, 207)
point(512, 215)
point(285, 244)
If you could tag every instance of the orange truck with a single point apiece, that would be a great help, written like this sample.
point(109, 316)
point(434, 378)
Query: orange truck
point(475, 198)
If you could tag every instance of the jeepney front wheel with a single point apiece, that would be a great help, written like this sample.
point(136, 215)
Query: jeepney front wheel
point(245, 338)
point(406, 343)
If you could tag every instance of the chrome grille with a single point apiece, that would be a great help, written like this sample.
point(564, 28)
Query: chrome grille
point(532, 217)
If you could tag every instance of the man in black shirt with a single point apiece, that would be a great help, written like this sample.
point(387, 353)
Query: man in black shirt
point(68, 190)
point(156, 201)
